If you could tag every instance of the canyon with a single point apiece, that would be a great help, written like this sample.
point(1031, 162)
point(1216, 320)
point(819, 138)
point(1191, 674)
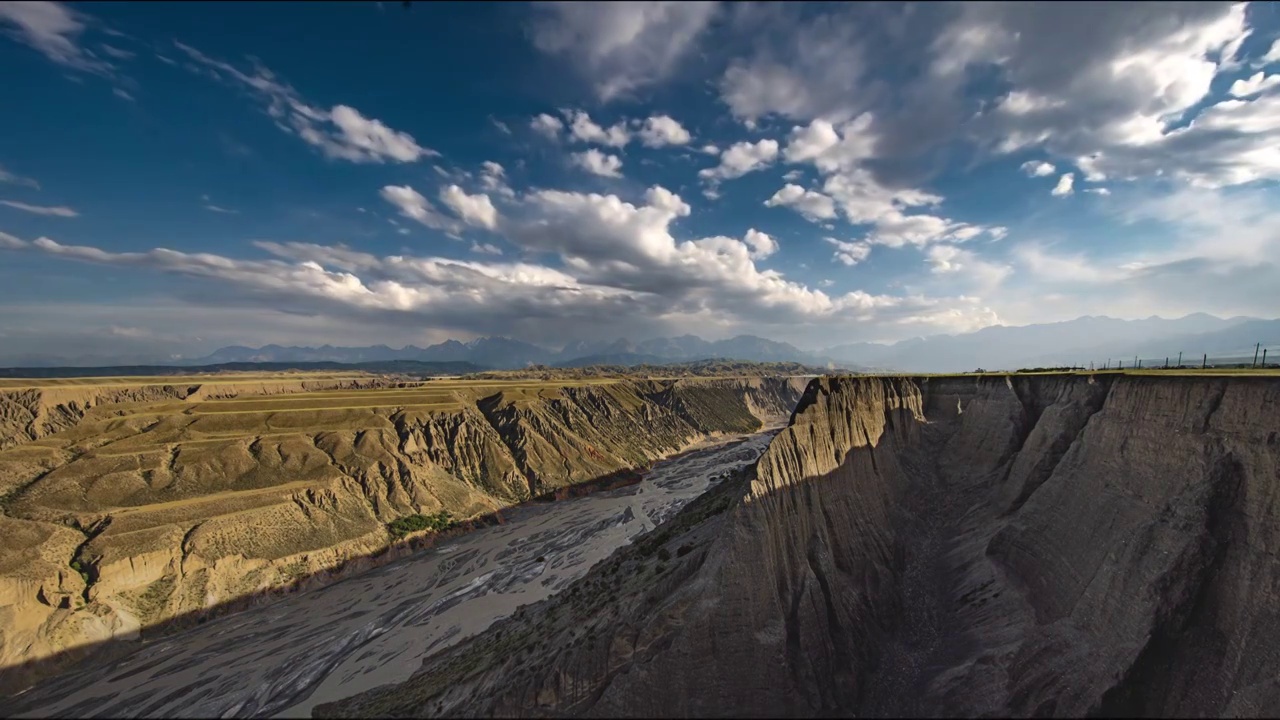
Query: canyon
point(1049, 545)
point(135, 509)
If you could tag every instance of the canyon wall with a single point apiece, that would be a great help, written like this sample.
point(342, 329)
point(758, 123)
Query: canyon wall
point(116, 524)
point(1043, 545)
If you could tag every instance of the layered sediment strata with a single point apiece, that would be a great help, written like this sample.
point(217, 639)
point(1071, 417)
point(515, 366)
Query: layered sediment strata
point(1046, 545)
point(125, 521)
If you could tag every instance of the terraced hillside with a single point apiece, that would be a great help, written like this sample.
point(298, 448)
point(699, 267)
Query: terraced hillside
point(126, 506)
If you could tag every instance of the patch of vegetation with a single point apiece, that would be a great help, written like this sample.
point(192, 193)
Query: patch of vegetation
point(435, 522)
point(664, 554)
point(684, 550)
point(84, 574)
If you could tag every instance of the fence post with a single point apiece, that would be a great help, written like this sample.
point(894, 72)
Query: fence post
point(1205, 362)
point(1255, 354)
point(1166, 362)
point(1179, 358)
point(1264, 357)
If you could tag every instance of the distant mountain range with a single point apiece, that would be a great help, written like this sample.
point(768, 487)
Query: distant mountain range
point(1073, 342)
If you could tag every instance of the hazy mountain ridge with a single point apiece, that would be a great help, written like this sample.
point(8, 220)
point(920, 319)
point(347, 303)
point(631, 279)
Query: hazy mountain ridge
point(1079, 341)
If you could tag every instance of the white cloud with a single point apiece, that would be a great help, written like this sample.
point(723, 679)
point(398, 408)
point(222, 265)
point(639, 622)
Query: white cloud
point(598, 163)
point(485, 249)
point(850, 253)
point(812, 205)
point(55, 211)
point(546, 125)
point(1038, 168)
point(53, 29)
point(1064, 186)
point(709, 149)
point(762, 246)
point(1257, 83)
point(475, 210)
point(1098, 191)
point(493, 177)
point(800, 69)
point(661, 130)
point(620, 47)
point(414, 206)
point(618, 262)
point(215, 208)
point(341, 133)
point(8, 177)
point(1273, 55)
point(829, 149)
point(583, 129)
point(741, 158)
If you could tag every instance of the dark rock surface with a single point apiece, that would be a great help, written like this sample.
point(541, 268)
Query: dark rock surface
point(1025, 546)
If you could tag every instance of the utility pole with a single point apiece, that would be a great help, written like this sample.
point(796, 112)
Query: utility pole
point(1179, 358)
point(1255, 354)
point(1264, 357)
point(1205, 362)
point(1166, 362)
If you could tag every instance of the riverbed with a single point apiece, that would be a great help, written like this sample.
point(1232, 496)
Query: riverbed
point(282, 659)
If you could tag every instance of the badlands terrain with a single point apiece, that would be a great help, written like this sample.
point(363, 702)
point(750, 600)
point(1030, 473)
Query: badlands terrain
point(1045, 545)
point(1033, 544)
point(144, 504)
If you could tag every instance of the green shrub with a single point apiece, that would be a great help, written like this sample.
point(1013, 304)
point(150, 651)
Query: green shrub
point(684, 550)
point(437, 522)
point(664, 554)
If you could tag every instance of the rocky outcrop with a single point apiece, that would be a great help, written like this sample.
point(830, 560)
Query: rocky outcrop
point(178, 515)
point(1049, 545)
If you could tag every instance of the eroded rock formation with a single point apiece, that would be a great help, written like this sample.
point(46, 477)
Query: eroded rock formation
point(116, 524)
point(1052, 545)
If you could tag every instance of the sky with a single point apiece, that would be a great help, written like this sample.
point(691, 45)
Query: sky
point(175, 177)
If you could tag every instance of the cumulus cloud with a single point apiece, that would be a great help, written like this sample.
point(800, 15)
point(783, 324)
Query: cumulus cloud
point(53, 29)
point(1254, 84)
point(475, 210)
point(493, 178)
point(812, 205)
point(1038, 168)
point(831, 149)
point(620, 47)
point(340, 132)
point(850, 253)
point(582, 128)
point(762, 246)
point(54, 210)
point(1064, 186)
point(414, 206)
point(741, 158)
point(548, 126)
point(598, 163)
point(662, 130)
point(618, 262)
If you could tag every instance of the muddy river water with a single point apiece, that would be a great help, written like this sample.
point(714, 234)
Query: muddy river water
point(282, 659)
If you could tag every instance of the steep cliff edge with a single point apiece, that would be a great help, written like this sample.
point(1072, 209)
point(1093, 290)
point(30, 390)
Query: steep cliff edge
point(1049, 545)
point(135, 516)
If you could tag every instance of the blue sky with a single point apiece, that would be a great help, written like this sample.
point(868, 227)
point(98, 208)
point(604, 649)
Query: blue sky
point(175, 177)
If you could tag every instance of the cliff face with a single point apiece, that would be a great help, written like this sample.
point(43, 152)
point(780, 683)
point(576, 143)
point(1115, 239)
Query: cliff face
point(171, 514)
point(1050, 545)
